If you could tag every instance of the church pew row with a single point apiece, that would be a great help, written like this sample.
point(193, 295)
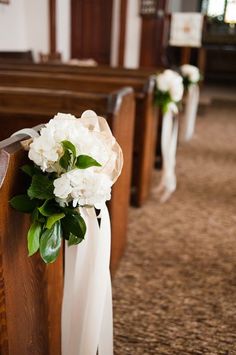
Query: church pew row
point(31, 291)
point(20, 108)
point(76, 69)
point(145, 120)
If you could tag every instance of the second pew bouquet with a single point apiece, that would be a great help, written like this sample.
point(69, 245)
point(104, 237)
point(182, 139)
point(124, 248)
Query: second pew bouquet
point(169, 90)
point(75, 164)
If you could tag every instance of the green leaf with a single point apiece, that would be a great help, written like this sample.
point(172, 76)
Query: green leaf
point(30, 170)
point(85, 161)
point(41, 187)
point(69, 146)
point(73, 240)
point(33, 237)
point(50, 243)
point(66, 160)
point(73, 224)
point(53, 219)
point(48, 208)
point(23, 203)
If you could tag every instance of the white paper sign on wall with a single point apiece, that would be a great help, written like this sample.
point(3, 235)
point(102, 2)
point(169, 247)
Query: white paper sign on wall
point(186, 29)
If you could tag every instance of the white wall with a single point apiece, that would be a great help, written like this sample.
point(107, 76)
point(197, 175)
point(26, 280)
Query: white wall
point(37, 26)
point(133, 35)
point(115, 33)
point(63, 18)
point(12, 26)
point(24, 26)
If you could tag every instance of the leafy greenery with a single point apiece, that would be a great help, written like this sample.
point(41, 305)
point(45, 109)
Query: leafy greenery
point(162, 99)
point(53, 219)
point(73, 224)
point(85, 161)
point(49, 208)
point(50, 221)
point(33, 237)
point(41, 187)
point(67, 160)
point(50, 243)
point(23, 203)
point(30, 170)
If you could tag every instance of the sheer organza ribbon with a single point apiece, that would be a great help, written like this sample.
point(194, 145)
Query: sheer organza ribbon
point(87, 322)
point(87, 302)
point(190, 113)
point(169, 138)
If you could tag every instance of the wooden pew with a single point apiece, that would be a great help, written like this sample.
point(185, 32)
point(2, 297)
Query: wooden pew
point(75, 69)
point(16, 57)
point(31, 291)
point(21, 108)
point(146, 114)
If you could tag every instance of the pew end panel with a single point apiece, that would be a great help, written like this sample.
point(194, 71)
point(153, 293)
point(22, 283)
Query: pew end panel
point(145, 142)
point(31, 291)
point(121, 108)
point(39, 105)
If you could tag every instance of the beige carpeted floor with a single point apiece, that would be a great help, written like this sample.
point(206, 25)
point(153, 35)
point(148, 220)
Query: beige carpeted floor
point(175, 290)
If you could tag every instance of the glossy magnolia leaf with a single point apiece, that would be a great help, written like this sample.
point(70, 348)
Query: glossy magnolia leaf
point(41, 187)
point(85, 161)
point(33, 237)
point(73, 224)
point(67, 145)
point(30, 170)
point(53, 219)
point(73, 240)
point(50, 243)
point(66, 160)
point(23, 203)
point(48, 208)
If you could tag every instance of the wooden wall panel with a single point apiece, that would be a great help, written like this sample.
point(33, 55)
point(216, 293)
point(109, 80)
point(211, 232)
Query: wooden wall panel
point(152, 53)
point(91, 22)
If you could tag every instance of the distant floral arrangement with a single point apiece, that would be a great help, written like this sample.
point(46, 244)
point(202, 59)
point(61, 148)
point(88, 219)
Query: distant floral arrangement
point(76, 162)
point(191, 75)
point(169, 89)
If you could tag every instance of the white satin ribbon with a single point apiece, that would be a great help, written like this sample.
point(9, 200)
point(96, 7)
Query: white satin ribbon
point(169, 137)
point(190, 111)
point(87, 301)
point(32, 133)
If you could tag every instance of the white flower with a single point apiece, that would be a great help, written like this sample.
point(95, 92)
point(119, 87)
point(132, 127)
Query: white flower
point(46, 149)
point(171, 82)
point(176, 88)
point(191, 72)
point(83, 187)
point(91, 136)
point(62, 187)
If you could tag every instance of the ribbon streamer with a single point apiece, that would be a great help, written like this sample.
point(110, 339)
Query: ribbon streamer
point(191, 111)
point(87, 302)
point(169, 138)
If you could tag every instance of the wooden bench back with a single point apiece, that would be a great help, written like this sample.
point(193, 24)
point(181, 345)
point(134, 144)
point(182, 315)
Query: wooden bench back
point(146, 117)
point(75, 69)
point(73, 82)
point(16, 57)
point(28, 107)
point(31, 291)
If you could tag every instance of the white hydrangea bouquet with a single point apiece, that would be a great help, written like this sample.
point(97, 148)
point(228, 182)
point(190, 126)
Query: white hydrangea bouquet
point(169, 89)
point(75, 163)
point(191, 75)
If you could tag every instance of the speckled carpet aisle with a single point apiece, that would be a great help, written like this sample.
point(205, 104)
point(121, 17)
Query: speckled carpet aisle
point(175, 290)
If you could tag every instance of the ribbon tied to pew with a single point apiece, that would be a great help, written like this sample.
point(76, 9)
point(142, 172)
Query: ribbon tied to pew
point(191, 77)
point(76, 161)
point(168, 94)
